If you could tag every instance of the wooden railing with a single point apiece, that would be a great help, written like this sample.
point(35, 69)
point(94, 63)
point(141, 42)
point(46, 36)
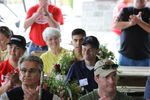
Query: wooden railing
point(132, 79)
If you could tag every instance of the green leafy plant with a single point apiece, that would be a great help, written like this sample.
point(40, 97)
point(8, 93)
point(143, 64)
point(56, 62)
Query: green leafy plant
point(104, 53)
point(65, 62)
point(56, 81)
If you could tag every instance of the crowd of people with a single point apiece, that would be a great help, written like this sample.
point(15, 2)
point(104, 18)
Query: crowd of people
point(21, 68)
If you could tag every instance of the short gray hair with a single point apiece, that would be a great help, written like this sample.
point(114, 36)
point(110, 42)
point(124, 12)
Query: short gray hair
point(49, 32)
point(33, 59)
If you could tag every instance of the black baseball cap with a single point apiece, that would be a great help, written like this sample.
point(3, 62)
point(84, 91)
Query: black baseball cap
point(92, 40)
point(18, 40)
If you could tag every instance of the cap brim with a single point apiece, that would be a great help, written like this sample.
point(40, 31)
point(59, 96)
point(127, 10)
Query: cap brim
point(107, 72)
point(18, 44)
point(93, 45)
point(104, 73)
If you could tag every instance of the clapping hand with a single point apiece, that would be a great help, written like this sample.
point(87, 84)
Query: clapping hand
point(42, 10)
point(135, 19)
point(31, 94)
point(12, 80)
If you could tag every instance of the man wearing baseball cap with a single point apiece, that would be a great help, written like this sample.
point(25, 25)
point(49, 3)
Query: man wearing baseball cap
point(16, 49)
point(83, 71)
point(105, 74)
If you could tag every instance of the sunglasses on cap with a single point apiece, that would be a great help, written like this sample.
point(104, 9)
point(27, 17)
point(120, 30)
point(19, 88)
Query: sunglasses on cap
point(112, 66)
point(107, 67)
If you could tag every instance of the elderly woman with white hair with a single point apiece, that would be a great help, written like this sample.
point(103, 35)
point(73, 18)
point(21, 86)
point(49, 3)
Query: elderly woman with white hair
point(52, 37)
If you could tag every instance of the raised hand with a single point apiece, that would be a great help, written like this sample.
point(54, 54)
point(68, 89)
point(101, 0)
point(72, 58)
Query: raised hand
point(41, 10)
point(135, 19)
point(12, 80)
point(31, 94)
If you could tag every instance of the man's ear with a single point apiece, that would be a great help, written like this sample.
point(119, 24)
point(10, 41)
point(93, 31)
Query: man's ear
point(96, 79)
point(97, 51)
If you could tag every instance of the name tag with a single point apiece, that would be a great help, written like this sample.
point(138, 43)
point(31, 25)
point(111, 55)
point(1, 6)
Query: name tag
point(83, 82)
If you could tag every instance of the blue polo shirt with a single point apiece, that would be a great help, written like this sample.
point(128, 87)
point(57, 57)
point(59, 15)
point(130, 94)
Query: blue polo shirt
point(79, 71)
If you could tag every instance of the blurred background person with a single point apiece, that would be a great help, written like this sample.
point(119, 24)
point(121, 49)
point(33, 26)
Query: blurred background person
point(78, 36)
point(40, 16)
point(5, 34)
point(16, 49)
point(116, 12)
point(52, 37)
point(134, 23)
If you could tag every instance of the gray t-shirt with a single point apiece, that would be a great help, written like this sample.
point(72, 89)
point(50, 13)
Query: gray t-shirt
point(94, 96)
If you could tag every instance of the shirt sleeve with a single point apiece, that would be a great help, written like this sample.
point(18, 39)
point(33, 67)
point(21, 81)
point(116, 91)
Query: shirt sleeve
point(147, 89)
point(4, 96)
point(31, 11)
point(58, 16)
point(124, 14)
point(70, 74)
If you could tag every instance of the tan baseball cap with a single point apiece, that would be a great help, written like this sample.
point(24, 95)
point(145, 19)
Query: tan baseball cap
point(104, 68)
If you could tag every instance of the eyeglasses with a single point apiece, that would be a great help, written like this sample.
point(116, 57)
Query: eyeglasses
point(31, 71)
